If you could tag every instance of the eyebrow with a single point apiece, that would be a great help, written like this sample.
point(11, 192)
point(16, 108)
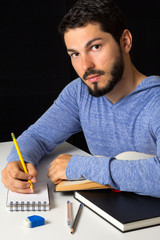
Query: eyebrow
point(87, 44)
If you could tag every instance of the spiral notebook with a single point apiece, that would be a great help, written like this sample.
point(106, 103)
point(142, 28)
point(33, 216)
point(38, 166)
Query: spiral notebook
point(38, 201)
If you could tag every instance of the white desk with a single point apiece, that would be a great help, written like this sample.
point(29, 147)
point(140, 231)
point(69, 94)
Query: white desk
point(90, 225)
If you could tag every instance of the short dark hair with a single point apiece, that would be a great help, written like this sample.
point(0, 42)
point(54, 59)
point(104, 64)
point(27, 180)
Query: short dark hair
point(104, 12)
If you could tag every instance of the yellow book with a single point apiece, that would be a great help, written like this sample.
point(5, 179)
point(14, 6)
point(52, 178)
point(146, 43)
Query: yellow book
point(74, 185)
point(85, 184)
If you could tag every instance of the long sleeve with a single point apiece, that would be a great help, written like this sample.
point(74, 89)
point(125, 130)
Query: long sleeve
point(56, 125)
point(139, 176)
point(131, 124)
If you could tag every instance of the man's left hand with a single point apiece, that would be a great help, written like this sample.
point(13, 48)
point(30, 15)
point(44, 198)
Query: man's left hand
point(57, 169)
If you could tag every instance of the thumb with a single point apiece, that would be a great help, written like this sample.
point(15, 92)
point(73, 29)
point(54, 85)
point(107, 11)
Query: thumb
point(32, 171)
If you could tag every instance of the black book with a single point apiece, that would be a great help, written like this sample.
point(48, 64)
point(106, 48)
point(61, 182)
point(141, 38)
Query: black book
point(126, 211)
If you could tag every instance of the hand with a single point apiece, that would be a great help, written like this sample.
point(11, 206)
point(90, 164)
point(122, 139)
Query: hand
point(15, 179)
point(57, 170)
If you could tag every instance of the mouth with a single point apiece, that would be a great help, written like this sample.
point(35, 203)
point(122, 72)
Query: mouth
point(93, 78)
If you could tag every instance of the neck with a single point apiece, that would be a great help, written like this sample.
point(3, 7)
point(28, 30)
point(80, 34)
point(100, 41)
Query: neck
point(130, 80)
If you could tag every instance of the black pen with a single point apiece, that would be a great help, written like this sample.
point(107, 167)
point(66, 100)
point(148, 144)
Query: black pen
point(76, 218)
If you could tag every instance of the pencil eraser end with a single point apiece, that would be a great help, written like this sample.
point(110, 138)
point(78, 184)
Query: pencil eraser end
point(34, 221)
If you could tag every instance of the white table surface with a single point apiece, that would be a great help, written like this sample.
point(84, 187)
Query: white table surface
point(90, 225)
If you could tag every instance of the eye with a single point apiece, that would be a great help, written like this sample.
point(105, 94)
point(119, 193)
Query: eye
point(96, 47)
point(74, 55)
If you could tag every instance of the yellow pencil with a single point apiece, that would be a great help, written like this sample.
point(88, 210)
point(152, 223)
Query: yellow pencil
point(20, 157)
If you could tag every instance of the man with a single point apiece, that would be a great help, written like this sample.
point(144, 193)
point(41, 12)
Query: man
point(115, 105)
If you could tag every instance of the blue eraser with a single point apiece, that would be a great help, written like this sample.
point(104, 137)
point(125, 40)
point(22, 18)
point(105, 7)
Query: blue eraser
point(34, 221)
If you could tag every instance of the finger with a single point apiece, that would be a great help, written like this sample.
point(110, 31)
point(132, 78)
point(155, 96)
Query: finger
point(55, 179)
point(27, 190)
point(53, 163)
point(17, 185)
point(51, 172)
point(16, 172)
point(58, 181)
point(56, 176)
point(57, 171)
point(11, 176)
point(32, 171)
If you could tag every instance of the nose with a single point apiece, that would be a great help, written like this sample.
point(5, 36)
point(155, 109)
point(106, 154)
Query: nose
point(87, 63)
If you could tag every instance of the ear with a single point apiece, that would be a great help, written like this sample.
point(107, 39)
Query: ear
point(126, 41)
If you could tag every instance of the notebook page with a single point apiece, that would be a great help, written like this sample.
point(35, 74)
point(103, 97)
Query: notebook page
point(40, 195)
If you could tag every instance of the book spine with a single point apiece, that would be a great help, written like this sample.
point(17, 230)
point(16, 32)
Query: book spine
point(29, 206)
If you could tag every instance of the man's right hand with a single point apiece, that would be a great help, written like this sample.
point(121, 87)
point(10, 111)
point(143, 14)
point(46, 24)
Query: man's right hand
point(16, 180)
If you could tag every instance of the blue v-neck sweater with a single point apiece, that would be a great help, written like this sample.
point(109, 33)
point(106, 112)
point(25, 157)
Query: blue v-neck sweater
point(131, 124)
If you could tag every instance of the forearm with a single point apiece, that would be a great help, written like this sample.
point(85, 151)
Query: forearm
point(96, 169)
point(31, 147)
point(56, 125)
point(139, 176)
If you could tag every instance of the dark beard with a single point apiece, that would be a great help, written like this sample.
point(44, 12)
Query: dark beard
point(116, 75)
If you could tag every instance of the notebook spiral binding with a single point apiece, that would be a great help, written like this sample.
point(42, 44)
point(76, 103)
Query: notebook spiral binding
point(28, 206)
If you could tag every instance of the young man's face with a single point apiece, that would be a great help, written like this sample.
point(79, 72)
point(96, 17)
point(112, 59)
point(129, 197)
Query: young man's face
point(96, 57)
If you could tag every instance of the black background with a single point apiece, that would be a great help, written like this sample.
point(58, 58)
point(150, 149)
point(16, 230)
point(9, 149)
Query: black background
point(34, 64)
